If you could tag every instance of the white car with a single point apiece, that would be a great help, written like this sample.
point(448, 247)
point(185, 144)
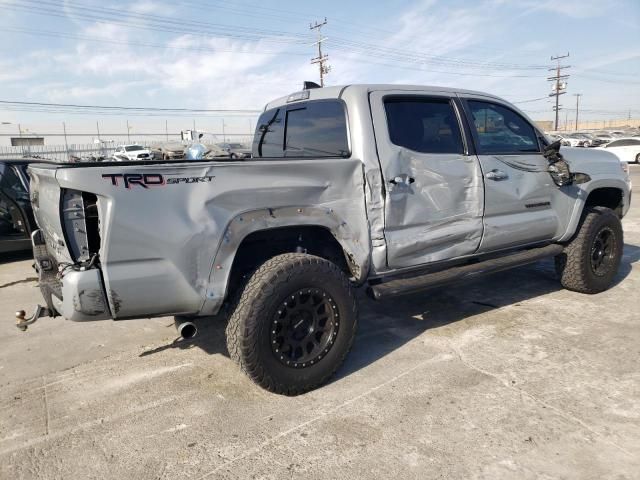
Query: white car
point(128, 153)
point(626, 149)
point(573, 140)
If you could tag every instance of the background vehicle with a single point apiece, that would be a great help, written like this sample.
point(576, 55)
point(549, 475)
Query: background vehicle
point(574, 139)
point(594, 141)
point(168, 151)
point(554, 136)
point(605, 137)
point(16, 214)
point(127, 153)
point(397, 188)
point(236, 150)
point(215, 151)
point(626, 149)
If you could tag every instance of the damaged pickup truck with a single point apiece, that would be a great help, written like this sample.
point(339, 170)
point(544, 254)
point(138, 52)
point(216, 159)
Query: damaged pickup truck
point(395, 188)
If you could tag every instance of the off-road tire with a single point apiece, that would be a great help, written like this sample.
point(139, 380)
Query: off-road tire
point(574, 265)
point(249, 328)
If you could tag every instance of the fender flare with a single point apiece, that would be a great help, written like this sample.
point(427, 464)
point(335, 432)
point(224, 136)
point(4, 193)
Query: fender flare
point(582, 193)
point(353, 239)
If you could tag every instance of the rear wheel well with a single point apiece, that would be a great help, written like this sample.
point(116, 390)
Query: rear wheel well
point(258, 247)
point(609, 197)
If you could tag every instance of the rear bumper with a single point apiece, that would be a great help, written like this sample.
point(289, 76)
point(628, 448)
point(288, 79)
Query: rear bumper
point(78, 295)
point(83, 297)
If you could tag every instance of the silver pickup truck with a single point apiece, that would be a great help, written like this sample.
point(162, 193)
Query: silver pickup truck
point(395, 188)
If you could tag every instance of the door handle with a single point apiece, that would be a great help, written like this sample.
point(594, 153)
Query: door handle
point(496, 174)
point(402, 180)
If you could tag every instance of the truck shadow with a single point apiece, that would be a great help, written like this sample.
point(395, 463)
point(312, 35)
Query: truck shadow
point(387, 325)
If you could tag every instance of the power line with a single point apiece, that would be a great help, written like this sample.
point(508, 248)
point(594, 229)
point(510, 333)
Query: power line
point(70, 108)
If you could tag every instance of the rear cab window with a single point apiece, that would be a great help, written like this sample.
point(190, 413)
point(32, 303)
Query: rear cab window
point(316, 129)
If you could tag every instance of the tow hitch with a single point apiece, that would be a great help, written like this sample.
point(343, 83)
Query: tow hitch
point(22, 323)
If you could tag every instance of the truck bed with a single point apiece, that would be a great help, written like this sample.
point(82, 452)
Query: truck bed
point(162, 235)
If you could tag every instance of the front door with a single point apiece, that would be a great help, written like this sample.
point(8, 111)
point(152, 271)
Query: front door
point(433, 187)
point(521, 199)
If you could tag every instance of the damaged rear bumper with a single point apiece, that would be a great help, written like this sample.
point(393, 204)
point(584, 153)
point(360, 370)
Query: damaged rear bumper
point(73, 292)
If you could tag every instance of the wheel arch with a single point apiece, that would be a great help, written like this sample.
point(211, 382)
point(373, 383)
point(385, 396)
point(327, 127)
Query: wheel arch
point(613, 194)
point(609, 197)
point(253, 237)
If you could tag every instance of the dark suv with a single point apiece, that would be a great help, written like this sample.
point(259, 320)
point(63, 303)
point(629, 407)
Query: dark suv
point(16, 216)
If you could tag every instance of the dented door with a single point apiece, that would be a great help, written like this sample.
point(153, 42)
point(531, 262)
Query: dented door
point(434, 194)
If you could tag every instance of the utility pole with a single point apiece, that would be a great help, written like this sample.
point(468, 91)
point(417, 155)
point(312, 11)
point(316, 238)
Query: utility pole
point(166, 129)
point(224, 135)
point(577, 95)
point(559, 85)
point(321, 59)
point(98, 129)
point(66, 145)
point(128, 134)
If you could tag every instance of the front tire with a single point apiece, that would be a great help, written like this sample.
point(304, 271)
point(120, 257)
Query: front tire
point(638, 158)
point(293, 324)
point(590, 261)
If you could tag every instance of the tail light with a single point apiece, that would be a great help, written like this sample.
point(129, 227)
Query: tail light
point(81, 224)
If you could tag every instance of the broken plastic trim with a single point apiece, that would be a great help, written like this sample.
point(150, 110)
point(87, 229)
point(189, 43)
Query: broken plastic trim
point(558, 168)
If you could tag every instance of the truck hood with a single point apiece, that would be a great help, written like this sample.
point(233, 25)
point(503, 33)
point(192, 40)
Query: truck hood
point(591, 161)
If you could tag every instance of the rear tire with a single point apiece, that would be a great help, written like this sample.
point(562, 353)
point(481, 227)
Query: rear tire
point(638, 158)
point(294, 323)
point(591, 259)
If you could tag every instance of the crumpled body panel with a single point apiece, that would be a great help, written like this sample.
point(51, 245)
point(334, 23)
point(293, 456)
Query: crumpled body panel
point(439, 215)
point(159, 243)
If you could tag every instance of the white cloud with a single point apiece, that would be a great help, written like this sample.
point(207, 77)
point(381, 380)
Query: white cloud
point(150, 6)
point(572, 8)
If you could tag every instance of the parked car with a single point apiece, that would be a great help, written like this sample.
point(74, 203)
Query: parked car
point(618, 133)
point(574, 140)
point(605, 137)
point(396, 188)
point(16, 214)
point(626, 149)
point(128, 153)
point(594, 141)
point(215, 151)
point(554, 137)
point(168, 151)
point(236, 150)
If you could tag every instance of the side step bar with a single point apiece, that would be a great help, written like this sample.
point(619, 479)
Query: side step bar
point(403, 286)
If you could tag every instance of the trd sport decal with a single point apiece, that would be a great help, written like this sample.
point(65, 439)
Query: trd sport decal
point(146, 180)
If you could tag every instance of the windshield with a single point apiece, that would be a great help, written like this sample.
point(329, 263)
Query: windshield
point(236, 145)
point(133, 148)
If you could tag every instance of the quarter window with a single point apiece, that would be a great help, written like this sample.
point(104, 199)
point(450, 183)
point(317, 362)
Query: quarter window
point(424, 125)
point(500, 130)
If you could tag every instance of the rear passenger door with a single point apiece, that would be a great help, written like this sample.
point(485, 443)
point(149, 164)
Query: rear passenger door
point(521, 200)
point(433, 186)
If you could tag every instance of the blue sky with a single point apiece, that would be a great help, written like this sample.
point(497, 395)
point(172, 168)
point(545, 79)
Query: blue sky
point(240, 54)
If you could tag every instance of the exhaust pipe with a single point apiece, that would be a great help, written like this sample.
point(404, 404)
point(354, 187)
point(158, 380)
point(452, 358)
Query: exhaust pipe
point(186, 329)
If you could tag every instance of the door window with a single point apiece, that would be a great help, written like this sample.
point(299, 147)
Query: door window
point(500, 130)
point(424, 125)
